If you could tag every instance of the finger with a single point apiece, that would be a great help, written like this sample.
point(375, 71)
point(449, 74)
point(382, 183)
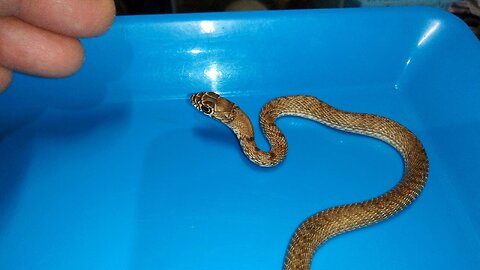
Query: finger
point(69, 17)
point(5, 78)
point(30, 49)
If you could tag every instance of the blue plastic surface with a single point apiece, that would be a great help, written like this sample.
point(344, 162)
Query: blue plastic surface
point(113, 169)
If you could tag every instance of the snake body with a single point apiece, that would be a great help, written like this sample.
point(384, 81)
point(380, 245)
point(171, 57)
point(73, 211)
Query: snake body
point(320, 227)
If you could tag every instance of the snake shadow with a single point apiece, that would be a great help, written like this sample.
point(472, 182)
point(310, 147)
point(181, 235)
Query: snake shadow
point(218, 134)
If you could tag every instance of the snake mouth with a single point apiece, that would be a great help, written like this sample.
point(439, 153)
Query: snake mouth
point(196, 100)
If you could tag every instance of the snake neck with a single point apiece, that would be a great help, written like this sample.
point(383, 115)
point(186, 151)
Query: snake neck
point(243, 129)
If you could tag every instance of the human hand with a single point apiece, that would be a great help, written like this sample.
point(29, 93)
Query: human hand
point(40, 37)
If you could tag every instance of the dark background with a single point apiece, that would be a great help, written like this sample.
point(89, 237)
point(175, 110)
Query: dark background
point(467, 10)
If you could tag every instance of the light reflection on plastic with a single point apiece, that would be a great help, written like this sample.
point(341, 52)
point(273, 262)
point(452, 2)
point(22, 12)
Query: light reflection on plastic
point(195, 51)
point(213, 73)
point(207, 27)
point(434, 26)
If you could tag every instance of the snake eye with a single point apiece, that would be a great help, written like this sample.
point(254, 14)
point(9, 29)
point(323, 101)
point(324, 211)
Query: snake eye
point(205, 109)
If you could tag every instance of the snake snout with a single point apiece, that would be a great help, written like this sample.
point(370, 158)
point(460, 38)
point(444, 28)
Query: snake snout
point(195, 99)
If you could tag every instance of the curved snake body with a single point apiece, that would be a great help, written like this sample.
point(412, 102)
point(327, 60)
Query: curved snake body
point(320, 227)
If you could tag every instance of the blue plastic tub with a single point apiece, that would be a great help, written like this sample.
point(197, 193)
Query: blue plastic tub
point(112, 168)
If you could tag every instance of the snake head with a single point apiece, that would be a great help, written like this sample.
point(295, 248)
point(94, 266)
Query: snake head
point(215, 106)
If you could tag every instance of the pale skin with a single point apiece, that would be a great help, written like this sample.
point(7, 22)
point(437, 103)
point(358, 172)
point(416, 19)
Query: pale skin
point(41, 37)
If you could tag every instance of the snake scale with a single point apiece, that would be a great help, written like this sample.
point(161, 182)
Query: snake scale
point(320, 227)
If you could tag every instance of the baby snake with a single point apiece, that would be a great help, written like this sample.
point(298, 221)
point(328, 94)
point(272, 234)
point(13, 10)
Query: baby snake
point(325, 224)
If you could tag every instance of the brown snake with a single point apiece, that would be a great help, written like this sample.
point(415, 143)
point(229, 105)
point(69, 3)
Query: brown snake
point(325, 224)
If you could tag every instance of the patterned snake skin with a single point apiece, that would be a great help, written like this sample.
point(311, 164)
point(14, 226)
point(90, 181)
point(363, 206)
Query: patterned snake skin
point(324, 225)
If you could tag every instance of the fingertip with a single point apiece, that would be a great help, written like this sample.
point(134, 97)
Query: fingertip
point(5, 78)
point(72, 59)
point(33, 50)
point(100, 22)
point(63, 60)
point(86, 18)
point(92, 22)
